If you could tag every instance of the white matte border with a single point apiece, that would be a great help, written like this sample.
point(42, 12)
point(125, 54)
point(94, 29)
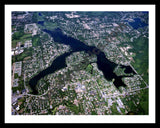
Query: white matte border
point(85, 118)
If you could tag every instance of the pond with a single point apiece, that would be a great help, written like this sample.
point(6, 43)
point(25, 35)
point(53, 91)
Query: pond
point(137, 23)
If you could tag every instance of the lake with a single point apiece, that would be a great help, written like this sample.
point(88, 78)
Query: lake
point(137, 23)
point(105, 65)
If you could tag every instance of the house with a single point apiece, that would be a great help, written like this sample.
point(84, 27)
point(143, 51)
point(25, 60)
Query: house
point(23, 91)
point(15, 82)
point(17, 107)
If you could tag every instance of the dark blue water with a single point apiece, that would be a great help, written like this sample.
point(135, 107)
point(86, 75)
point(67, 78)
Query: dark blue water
point(146, 12)
point(41, 23)
point(39, 14)
point(105, 65)
point(137, 23)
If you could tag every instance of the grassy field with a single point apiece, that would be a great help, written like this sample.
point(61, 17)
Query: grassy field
point(22, 39)
point(36, 41)
point(140, 47)
point(50, 25)
point(20, 57)
point(140, 56)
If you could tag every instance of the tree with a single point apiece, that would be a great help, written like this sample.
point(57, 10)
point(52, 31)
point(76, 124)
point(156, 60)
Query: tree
point(15, 75)
point(34, 18)
point(89, 68)
point(17, 35)
point(54, 111)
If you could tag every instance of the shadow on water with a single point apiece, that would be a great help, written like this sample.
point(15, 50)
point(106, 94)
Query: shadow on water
point(105, 65)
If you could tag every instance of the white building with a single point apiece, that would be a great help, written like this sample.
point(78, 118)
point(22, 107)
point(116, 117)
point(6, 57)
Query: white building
point(120, 103)
point(28, 44)
point(18, 67)
point(109, 102)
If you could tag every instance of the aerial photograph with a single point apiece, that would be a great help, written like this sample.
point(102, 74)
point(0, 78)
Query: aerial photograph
point(79, 63)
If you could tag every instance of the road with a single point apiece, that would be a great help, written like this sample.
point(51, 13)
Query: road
point(131, 66)
point(115, 95)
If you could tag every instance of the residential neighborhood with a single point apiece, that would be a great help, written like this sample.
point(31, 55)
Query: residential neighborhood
point(80, 87)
